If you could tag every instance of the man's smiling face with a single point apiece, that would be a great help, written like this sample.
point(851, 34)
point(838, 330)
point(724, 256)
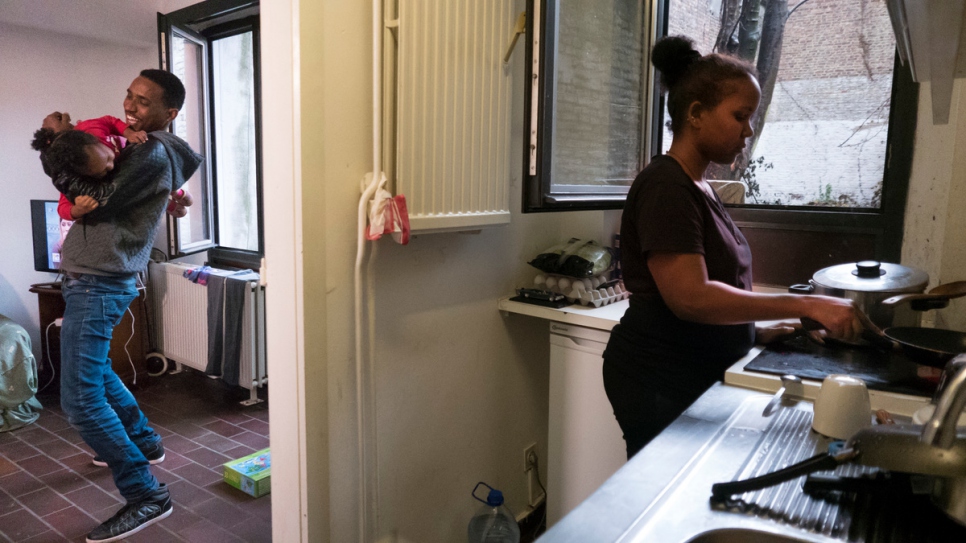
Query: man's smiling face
point(144, 107)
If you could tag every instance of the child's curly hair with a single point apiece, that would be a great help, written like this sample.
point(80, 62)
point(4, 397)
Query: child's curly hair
point(63, 152)
point(42, 139)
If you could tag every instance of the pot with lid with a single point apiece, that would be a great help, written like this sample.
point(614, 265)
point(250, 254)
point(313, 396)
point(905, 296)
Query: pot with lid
point(867, 283)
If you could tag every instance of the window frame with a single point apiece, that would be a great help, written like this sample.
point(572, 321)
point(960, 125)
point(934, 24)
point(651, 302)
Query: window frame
point(219, 19)
point(537, 193)
point(227, 30)
point(175, 246)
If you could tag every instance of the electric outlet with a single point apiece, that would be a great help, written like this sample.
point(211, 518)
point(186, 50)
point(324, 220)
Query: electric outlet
point(531, 469)
point(527, 459)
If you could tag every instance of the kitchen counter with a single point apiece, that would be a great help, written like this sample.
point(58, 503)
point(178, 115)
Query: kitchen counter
point(639, 484)
point(605, 317)
point(601, 318)
point(664, 492)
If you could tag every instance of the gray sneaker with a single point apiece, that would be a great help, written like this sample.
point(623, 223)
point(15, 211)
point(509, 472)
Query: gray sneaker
point(134, 517)
point(154, 456)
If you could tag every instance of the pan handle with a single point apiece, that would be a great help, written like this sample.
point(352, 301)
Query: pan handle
point(934, 299)
point(882, 341)
point(920, 302)
point(811, 324)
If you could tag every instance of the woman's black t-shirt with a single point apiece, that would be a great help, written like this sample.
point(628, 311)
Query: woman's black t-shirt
point(667, 212)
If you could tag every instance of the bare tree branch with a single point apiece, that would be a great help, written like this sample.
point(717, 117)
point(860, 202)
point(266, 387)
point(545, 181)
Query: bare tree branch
point(726, 41)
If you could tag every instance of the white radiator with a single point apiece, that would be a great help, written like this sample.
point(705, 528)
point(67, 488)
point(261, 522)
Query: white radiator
point(452, 112)
point(179, 310)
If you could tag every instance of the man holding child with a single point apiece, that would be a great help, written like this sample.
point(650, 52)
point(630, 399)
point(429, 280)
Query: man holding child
point(102, 259)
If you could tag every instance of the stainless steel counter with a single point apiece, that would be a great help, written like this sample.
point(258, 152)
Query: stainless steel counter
point(664, 493)
point(616, 505)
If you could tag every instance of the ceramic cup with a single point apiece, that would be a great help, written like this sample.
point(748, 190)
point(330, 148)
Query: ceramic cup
point(842, 407)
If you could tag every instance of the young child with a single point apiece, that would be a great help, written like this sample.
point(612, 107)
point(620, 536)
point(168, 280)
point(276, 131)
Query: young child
point(78, 158)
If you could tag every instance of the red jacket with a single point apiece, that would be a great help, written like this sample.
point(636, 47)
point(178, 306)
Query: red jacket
point(110, 130)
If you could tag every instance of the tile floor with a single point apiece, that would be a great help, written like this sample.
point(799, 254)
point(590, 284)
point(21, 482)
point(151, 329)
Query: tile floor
point(50, 492)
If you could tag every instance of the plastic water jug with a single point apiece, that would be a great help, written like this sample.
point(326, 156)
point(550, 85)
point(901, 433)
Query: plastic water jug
point(493, 522)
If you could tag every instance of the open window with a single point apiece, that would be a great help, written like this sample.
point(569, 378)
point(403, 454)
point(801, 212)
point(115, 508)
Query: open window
point(587, 102)
point(213, 48)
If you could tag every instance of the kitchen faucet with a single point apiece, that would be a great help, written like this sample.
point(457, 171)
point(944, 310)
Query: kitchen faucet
point(940, 430)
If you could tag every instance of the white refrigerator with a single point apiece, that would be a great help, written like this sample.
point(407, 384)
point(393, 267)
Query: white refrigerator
point(585, 444)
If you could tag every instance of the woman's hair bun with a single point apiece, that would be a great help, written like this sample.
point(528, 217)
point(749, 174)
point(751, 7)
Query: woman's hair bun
point(672, 55)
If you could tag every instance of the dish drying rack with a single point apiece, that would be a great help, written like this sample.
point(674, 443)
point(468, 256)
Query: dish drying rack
point(596, 291)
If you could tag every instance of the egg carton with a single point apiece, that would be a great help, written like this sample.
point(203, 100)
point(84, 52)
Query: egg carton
point(596, 291)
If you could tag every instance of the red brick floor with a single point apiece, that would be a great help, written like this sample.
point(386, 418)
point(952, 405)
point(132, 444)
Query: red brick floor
point(50, 492)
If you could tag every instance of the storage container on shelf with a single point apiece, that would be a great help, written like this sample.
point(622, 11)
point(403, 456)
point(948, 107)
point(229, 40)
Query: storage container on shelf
point(596, 291)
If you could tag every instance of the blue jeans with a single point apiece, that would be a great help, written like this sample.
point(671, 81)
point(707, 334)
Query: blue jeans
point(95, 400)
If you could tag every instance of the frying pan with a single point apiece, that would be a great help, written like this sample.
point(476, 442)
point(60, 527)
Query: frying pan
point(927, 346)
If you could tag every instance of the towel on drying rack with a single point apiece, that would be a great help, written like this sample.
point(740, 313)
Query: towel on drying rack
point(226, 303)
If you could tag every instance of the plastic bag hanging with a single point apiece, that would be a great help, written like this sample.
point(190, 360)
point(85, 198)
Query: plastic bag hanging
point(388, 215)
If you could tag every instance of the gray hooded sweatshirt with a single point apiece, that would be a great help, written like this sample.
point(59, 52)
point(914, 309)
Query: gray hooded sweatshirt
point(116, 239)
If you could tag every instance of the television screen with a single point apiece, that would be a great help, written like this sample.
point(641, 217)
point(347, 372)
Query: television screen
point(49, 231)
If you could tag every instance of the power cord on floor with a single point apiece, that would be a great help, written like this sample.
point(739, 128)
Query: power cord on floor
point(129, 338)
point(141, 286)
point(53, 372)
point(533, 459)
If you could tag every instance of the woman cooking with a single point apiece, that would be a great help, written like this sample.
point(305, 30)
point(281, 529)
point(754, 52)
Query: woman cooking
point(692, 312)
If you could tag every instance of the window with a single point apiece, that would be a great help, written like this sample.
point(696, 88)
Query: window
point(587, 129)
point(820, 135)
point(827, 171)
point(213, 48)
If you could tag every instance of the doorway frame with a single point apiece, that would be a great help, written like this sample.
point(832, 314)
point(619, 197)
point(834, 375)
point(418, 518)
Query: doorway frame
point(283, 267)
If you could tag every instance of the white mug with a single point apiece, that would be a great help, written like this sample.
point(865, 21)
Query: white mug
point(842, 407)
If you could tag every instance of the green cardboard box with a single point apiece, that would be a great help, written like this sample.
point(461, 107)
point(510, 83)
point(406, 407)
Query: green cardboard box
point(251, 474)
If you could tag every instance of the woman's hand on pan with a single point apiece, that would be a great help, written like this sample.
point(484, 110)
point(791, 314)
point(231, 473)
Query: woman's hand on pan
point(838, 316)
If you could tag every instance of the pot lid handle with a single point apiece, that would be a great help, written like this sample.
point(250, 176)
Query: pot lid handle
point(868, 268)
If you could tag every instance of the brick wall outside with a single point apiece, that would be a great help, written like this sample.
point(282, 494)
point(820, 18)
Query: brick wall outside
point(598, 117)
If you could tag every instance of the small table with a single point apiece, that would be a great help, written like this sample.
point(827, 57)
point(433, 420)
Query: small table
point(133, 333)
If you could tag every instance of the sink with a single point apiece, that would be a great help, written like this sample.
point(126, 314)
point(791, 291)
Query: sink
point(748, 445)
point(742, 535)
point(744, 446)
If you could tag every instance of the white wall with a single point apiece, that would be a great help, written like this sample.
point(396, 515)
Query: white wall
point(935, 221)
point(41, 72)
point(460, 390)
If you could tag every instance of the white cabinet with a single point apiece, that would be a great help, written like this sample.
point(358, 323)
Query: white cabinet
point(585, 445)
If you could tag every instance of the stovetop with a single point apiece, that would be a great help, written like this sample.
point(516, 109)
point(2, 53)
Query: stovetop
point(886, 371)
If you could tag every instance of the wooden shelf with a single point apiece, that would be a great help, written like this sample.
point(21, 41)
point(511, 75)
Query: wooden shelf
point(132, 333)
